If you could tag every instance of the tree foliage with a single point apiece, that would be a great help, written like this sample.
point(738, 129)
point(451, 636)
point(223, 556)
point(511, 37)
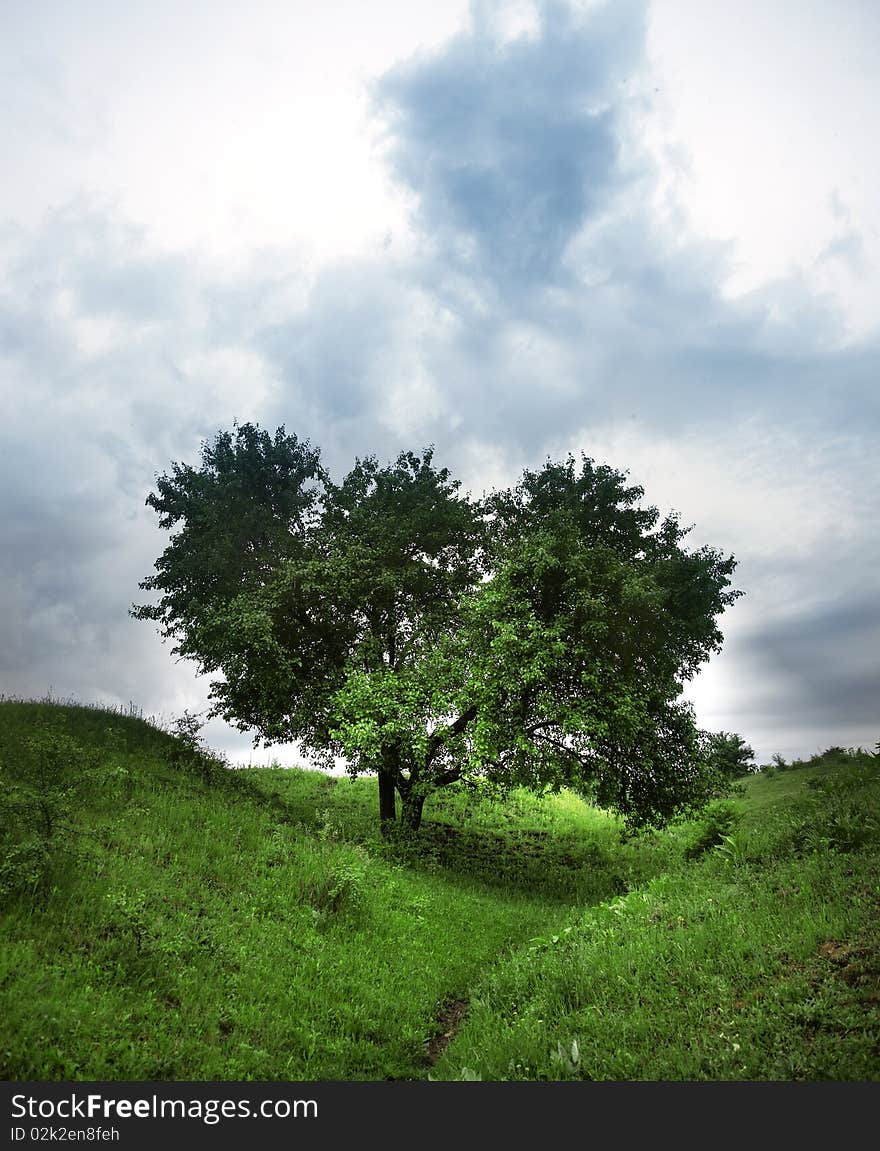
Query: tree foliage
point(540, 636)
point(729, 754)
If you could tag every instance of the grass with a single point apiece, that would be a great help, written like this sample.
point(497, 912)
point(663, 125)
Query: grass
point(760, 960)
point(167, 918)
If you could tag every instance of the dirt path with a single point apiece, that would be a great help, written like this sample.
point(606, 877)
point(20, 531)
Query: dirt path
point(448, 1021)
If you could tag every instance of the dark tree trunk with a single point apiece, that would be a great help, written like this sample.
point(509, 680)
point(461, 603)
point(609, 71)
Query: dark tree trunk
point(391, 777)
point(387, 810)
point(411, 811)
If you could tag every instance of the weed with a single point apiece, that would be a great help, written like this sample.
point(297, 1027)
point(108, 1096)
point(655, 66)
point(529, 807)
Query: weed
point(733, 849)
point(718, 820)
point(566, 1059)
point(329, 827)
point(126, 916)
point(342, 888)
point(543, 942)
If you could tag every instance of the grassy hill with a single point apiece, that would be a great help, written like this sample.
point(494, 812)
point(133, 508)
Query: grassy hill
point(164, 917)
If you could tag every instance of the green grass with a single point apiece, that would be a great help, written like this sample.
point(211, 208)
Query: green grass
point(167, 918)
point(759, 960)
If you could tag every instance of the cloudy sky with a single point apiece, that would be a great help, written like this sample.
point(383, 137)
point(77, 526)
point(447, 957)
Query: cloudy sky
point(644, 229)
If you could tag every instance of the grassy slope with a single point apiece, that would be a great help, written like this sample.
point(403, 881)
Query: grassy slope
point(187, 927)
point(191, 923)
point(761, 960)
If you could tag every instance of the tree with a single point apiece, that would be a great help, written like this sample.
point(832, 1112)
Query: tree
point(537, 637)
point(729, 754)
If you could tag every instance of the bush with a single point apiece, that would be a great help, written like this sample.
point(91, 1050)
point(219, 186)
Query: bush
point(839, 812)
point(841, 816)
point(729, 754)
point(22, 867)
point(717, 823)
point(190, 752)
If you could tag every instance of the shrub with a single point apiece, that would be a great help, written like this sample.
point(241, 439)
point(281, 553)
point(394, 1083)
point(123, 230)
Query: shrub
point(190, 752)
point(718, 821)
point(186, 730)
point(126, 916)
point(22, 867)
point(733, 848)
point(729, 754)
point(839, 812)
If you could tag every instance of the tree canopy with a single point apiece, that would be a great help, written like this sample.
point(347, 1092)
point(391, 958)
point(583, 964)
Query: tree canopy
point(729, 754)
point(539, 636)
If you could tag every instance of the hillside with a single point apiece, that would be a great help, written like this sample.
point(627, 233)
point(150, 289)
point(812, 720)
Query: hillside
point(167, 918)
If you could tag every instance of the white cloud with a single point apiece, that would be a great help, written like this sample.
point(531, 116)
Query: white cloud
point(763, 118)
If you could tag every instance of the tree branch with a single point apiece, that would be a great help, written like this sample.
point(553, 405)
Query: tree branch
point(560, 746)
point(445, 777)
point(449, 732)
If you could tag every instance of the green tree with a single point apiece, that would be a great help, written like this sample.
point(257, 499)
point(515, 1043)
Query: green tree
point(729, 754)
point(538, 637)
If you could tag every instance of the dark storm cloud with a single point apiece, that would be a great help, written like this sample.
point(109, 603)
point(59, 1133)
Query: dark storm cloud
point(68, 573)
point(512, 150)
point(823, 662)
point(510, 146)
point(93, 333)
point(557, 297)
point(548, 297)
